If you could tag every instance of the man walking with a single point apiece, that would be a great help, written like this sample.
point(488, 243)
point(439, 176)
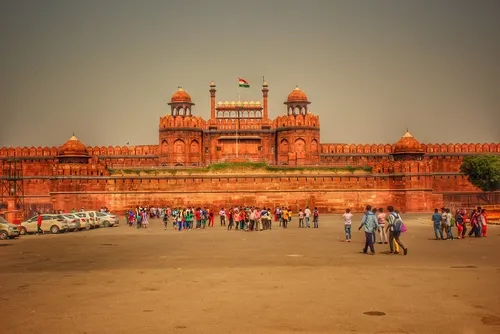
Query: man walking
point(395, 225)
point(369, 222)
point(39, 223)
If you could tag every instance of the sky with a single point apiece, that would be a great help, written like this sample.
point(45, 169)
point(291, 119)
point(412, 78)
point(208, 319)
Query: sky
point(105, 70)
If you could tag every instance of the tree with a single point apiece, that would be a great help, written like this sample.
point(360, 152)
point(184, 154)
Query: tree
point(483, 171)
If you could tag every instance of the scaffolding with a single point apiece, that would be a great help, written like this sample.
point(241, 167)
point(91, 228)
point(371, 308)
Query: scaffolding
point(12, 186)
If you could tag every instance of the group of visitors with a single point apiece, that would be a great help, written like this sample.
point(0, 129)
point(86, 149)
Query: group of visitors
point(445, 221)
point(388, 226)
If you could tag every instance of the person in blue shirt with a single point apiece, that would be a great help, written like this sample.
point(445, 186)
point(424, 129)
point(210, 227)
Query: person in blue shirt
point(370, 223)
point(436, 219)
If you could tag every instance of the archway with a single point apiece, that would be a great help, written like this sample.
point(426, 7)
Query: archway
point(300, 145)
point(195, 146)
point(164, 147)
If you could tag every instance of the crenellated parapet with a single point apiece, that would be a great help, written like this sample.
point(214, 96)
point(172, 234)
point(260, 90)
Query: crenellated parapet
point(170, 122)
point(28, 151)
point(299, 120)
point(461, 148)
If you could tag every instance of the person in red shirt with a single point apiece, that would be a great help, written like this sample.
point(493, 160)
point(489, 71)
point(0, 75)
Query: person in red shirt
point(39, 224)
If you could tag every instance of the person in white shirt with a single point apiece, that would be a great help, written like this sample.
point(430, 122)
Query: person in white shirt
point(347, 224)
point(222, 214)
point(307, 213)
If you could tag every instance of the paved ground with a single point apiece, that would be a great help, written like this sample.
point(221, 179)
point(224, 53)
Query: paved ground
point(123, 280)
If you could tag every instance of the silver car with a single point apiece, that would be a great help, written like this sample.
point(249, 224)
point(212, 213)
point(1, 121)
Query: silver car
point(107, 219)
point(72, 221)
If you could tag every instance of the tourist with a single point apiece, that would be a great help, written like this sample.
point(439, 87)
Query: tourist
point(231, 220)
point(374, 238)
point(222, 215)
point(436, 219)
point(460, 221)
point(450, 222)
point(316, 218)
point(395, 224)
point(484, 229)
point(480, 221)
point(39, 223)
point(307, 213)
point(252, 218)
point(284, 218)
point(211, 217)
point(289, 214)
point(165, 220)
point(369, 222)
point(197, 215)
point(347, 224)
point(301, 218)
point(473, 224)
point(382, 219)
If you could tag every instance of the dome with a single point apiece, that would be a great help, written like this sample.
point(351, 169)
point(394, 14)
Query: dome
point(73, 148)
point(181, 96)
point(408, 144)
point(297, 95)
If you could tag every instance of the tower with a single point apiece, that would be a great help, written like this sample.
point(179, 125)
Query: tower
point(265, 91)
point(297, 133)
point(212, 100)
point(181, 133)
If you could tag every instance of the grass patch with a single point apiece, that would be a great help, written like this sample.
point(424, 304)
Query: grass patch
point(249, 166)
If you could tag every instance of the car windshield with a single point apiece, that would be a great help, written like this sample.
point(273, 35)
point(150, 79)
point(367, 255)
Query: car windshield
point(69, 216)
point(3, 221)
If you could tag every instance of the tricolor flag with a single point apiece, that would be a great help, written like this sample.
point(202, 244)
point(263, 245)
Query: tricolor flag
point(243, 83)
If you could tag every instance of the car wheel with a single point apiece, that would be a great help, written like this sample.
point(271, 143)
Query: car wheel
point(88, 227)
point(54, 229)
point(106, 224)
point(4, 235)
point(23, 231)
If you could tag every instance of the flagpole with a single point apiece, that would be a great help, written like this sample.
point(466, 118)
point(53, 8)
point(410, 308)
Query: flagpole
point(238, 116)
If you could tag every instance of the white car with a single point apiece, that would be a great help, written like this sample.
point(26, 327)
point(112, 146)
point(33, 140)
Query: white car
point(50, 223)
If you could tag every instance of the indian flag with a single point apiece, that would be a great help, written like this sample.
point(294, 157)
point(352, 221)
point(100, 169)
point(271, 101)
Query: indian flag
point(243, 83)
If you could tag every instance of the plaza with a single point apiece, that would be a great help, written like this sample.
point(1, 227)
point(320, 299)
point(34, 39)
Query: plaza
point(125, 280)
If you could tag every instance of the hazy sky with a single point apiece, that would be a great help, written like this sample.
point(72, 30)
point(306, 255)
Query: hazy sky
point(105, 69)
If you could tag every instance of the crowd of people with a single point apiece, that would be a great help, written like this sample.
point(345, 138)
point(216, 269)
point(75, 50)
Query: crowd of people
point(384, 225)
point(238, 218)
point(389, 226)
point(444, 223)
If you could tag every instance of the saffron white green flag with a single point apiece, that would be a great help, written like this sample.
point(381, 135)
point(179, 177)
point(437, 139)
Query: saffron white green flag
point(243, 83)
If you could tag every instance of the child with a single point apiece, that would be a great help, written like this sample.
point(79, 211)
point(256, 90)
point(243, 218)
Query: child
point(301, 218)
point(347, 224)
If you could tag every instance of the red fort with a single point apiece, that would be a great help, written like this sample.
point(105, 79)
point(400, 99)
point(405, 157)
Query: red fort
point(296, 169)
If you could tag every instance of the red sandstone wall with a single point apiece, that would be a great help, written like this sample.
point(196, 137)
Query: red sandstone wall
point(329, 193)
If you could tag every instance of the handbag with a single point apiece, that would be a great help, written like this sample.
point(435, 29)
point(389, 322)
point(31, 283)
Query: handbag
point(403, 228)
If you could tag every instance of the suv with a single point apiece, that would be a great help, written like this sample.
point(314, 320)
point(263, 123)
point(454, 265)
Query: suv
point(50, 223)
point(8, 230)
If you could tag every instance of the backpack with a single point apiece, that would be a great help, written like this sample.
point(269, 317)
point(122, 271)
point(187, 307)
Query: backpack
point(316, 213)
point(398, 223)
point(452, 221)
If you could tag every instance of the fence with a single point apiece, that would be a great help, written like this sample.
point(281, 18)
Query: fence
point(470, 200)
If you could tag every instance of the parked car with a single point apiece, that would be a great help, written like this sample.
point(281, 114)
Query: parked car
point(8, 230)
point(72, 221)
point(108, 219)
point(84, 220)
point(93, 218)
point(50, 223)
